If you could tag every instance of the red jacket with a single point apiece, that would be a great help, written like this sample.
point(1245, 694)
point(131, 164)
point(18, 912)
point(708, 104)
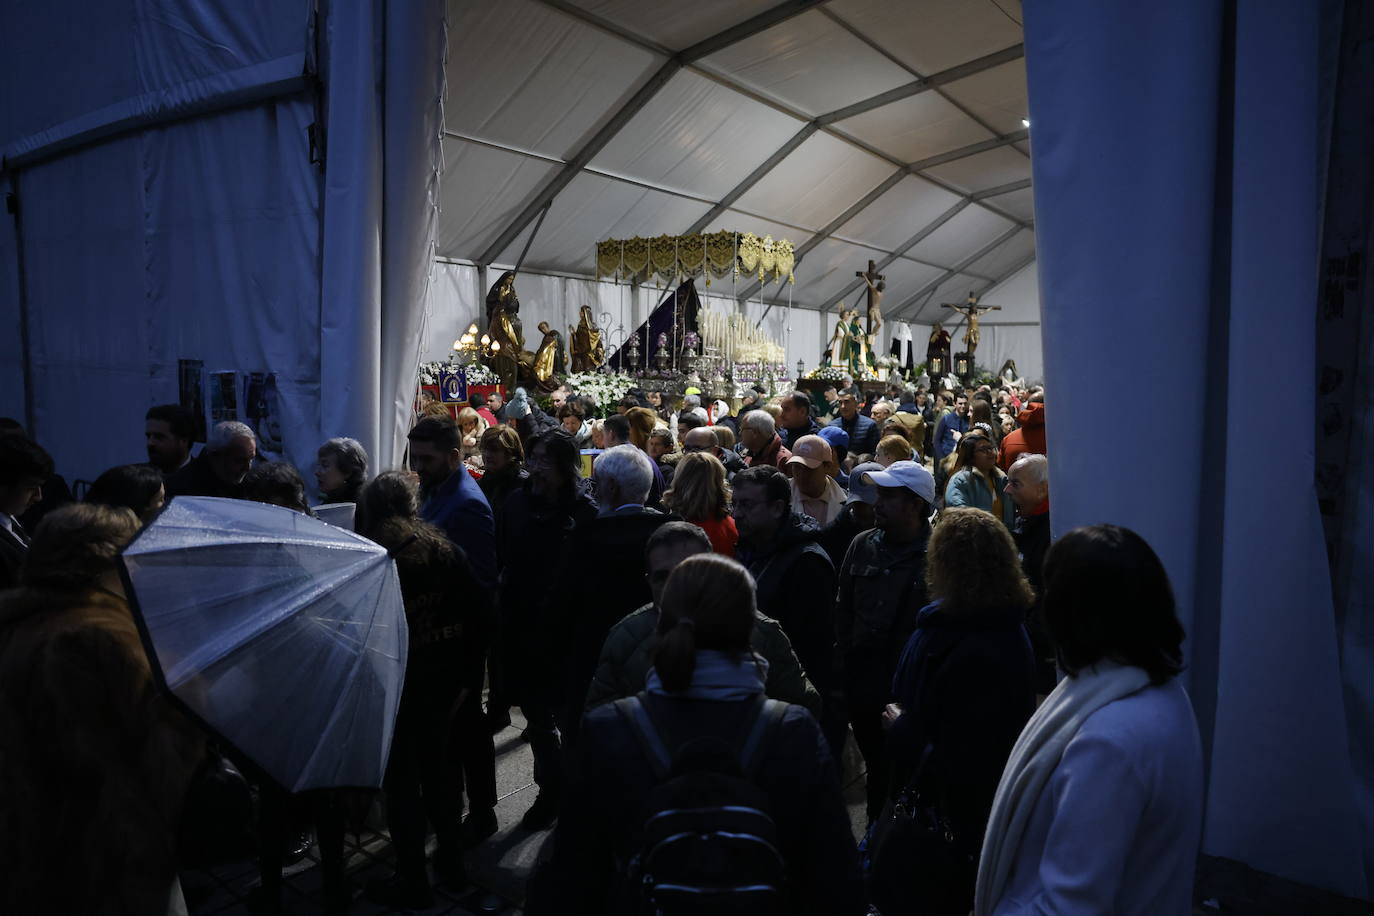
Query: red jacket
point(1028, 440)
point(773, 455)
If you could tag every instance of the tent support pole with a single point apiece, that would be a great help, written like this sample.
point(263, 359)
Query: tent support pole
point(12, 203)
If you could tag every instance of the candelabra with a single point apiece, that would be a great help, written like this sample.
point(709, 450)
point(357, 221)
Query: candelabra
point(471, 348)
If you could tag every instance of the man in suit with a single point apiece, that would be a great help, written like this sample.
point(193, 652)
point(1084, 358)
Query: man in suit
point(24, 467)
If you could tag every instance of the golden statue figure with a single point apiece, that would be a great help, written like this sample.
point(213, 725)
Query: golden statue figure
point(588, 352)
point(548, 361)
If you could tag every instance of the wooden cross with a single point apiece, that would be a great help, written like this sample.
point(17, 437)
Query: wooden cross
point(872, 278)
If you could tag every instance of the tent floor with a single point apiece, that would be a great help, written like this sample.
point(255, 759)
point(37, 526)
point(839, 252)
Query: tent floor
point(499, 868)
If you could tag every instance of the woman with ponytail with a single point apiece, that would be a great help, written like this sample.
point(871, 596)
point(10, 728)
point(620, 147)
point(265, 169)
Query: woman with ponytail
point(707, 683)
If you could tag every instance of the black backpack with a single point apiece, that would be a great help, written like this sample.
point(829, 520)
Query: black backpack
point(708, 844)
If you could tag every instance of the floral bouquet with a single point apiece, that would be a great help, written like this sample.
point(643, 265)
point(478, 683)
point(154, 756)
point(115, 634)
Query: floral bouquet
point(429, 372)
point(478, 374)
point(605, 388)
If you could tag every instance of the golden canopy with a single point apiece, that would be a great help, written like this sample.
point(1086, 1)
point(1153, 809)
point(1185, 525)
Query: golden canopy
point(673, 258)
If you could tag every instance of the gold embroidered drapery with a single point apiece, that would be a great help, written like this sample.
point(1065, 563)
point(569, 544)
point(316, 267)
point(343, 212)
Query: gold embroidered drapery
point(670, 259)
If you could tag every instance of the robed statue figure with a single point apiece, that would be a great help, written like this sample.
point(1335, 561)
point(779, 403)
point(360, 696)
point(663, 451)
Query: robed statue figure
point(548, 360)
point(588, 352)
point(937, 353)
point(503, 326)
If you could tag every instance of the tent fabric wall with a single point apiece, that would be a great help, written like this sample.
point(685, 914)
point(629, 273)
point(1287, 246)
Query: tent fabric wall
point(183, 218)
point(1217, 217)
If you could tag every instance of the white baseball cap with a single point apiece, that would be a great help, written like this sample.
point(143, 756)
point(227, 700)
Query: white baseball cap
point(907, 474)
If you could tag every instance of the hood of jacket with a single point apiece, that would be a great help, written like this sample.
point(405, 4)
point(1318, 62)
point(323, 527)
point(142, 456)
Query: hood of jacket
point(1033, 415)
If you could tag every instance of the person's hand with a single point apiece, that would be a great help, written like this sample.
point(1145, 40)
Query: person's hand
point(891, 713)
point(957, 435)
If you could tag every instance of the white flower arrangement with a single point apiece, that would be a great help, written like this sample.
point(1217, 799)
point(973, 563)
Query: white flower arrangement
point(429, 372)
point(606, 388)
point(478, 374)
point(828, 373)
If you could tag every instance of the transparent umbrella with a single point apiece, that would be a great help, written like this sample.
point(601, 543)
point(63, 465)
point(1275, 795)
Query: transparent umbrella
point(284, 635)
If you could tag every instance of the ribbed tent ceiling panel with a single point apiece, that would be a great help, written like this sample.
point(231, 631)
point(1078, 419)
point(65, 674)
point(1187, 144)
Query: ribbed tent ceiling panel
point(987, 170)
point(969, 230)
point(483, 189)
point(933, 35)
point(696, 136)
point(1018, 203)
point(799, 62)
point(899, 214)
point(1008, 255)
point(998, 96)
point(521, 74)
point(593, 208)
point(815, 183)
point(915, 127)
point(830, 268)
point(675, 25)
point(531, 84)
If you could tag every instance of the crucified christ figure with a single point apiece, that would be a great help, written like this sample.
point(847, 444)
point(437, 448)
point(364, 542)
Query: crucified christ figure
point(971, 310)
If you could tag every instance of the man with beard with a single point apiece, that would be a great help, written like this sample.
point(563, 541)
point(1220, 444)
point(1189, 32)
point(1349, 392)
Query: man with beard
point(454, 504)
point(169, 429)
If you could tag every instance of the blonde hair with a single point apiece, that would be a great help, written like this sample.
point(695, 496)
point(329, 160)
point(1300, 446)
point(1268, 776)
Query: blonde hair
point(642, 422)
point(971, 563)
point(725, 437)
point(699, 490)
point(898, 448)
point(466, 414)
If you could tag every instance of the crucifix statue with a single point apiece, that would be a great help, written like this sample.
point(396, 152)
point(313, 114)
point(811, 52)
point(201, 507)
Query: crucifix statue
point(875, 283)
point(971, 310)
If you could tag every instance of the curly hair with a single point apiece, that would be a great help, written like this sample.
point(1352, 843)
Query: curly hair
point(699, 490)
point(971, 563)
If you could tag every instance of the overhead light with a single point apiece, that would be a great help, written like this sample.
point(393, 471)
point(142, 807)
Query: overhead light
point(1025, 122)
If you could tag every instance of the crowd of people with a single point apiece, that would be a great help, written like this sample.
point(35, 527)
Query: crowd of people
point(693, 633)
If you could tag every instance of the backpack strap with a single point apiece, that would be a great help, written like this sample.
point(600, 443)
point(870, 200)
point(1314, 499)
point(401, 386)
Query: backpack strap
point(766, 721)
point(632, 710)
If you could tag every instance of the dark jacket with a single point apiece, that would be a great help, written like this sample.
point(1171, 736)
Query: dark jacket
point(790, 436)
point(198, 479)
point(604, 813)
point(448, 615)
point(533, 532)
point(14, 549)
point(734, 463)
point(882, 588)
point(628, 654)
point(795, 583)
point(458, 508)
point(943, 441)
point(863, 433)
point(582, 610)
point(1032, 534)
point(836, 537)
point(966, 685)
point(497, 486)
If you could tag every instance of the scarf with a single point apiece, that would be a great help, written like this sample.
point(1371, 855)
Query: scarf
point(1033, 761)
point(718, 676)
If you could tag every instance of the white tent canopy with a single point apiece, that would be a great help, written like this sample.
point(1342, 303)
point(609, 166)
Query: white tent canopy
point(857, 129)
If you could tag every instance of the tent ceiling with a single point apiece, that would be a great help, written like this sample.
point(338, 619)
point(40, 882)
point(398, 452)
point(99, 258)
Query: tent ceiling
point(859, 129)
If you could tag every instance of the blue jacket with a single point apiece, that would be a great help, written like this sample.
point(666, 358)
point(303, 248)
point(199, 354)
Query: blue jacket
point(863, 434)
point(965, 489)
point(944, 433)
point(459, 508)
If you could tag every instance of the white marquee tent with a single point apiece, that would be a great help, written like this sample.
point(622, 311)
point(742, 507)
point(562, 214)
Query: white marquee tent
point(312, 191)
point(852, 128)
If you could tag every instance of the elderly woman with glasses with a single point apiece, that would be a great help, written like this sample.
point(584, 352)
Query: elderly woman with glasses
point(976, 480)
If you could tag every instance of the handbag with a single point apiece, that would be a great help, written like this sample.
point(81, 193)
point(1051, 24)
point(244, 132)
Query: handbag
point(912, 860)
